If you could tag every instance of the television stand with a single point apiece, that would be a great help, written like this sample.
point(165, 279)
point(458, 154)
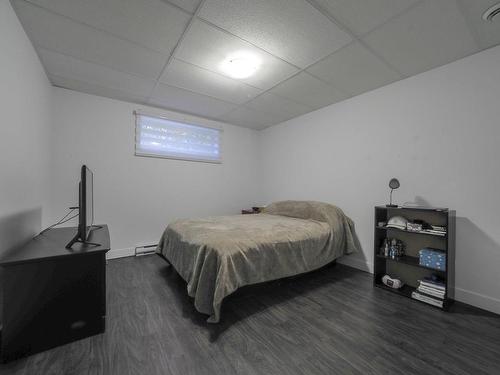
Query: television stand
point(51, 295)
point(78, 239)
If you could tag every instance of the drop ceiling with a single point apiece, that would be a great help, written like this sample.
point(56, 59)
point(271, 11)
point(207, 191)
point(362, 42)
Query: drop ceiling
point(313, 53)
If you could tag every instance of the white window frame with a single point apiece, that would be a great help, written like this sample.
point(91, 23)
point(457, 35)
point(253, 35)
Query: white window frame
point(173, 157)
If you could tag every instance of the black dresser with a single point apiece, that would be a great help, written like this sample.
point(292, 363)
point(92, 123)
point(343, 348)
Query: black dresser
point(51, 295)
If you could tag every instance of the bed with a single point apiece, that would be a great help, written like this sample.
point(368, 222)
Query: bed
point(217, 255)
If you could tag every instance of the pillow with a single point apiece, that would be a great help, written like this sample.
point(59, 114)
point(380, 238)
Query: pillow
point(308, 210)
point(342, 227)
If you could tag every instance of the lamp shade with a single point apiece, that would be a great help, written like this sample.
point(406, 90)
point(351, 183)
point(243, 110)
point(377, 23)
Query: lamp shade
point(394, 183)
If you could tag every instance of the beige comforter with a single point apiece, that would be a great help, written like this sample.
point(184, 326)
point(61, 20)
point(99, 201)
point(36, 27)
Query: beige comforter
point(217, 255)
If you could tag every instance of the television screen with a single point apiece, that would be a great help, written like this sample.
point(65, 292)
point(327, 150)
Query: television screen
point(86, 202)
point(85, 207)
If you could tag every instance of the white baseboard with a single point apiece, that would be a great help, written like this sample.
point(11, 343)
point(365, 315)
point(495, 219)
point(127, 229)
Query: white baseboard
point(477, 299)
point(120, 253)
point(360, 264)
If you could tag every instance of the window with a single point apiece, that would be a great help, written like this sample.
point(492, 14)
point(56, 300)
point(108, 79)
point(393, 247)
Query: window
point(160, 137)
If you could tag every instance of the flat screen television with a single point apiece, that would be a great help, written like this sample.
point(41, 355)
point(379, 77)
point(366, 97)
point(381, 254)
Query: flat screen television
point(85, 207)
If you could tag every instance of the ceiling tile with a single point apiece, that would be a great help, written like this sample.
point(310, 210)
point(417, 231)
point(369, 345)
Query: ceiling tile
point(207, 46)
point(308, 90)
point(91, 88)
point(487, 33)
point(250, 118)
point(151, 23)
point(354, 69)
point(189, 5)
point(59, 34)
point(361, 16)
point(429, 35)
point(193, 78)
point(68, 67)
point(271, 103)
point(189, 102)
point(291, 29)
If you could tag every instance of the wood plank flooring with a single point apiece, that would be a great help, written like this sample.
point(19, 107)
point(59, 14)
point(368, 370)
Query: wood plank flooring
point(331, 321)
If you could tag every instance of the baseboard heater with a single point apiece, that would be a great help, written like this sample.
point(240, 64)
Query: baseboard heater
point(145, 250)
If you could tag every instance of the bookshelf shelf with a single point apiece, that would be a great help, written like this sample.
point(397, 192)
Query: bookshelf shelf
point(407, 268)
point(411, 261)
point(404, 291)
point(412, 232)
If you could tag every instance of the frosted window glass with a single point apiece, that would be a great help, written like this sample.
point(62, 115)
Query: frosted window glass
point(171, 139)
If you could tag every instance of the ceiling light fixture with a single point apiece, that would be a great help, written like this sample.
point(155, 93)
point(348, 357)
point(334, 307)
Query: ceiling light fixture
point(240, 65)
point(492, 12)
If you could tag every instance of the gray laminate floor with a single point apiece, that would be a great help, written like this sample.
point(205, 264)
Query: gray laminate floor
point(331, 321)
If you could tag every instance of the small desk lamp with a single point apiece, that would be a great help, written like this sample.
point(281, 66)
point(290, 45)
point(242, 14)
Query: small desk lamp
point(393, 184)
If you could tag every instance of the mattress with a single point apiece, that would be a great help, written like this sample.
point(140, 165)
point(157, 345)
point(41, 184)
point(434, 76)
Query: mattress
point(218, 255)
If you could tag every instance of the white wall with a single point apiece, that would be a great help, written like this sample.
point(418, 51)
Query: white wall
point(138, 196)
point(25, 95)
point(438, 132)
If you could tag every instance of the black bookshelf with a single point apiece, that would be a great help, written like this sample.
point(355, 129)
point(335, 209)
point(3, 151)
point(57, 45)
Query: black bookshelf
point(407, 268)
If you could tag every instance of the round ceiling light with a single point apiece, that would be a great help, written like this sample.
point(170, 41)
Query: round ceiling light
point(240, 65)
point(492, 12)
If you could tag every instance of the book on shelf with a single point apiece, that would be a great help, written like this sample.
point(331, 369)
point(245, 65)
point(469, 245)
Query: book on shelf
point(427, 282)
point(437, 289)
point(434, 232)
point(438, 227)
point(431, 292)
point(433, 287)
point(427, 299)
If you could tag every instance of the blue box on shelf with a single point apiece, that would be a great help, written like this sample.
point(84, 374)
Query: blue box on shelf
point(432, 258)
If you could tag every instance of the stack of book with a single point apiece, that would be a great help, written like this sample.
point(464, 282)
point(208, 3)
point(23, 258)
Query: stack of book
point(436, 230)
point(430, 291)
